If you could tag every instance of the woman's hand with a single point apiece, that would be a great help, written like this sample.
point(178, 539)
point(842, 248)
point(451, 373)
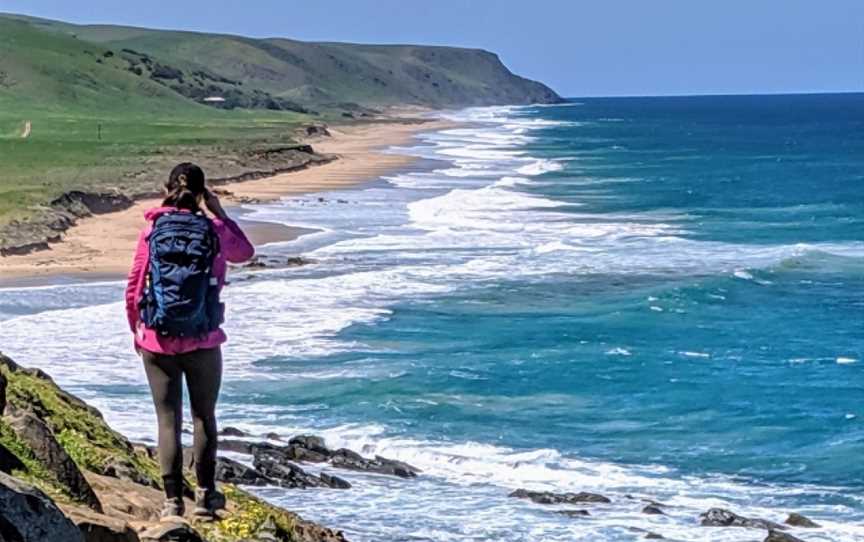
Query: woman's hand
point(213, 205)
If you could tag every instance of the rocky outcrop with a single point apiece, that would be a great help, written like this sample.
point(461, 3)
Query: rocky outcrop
point(87, 483)
point(41, 441)
point(280, 159)
point(264, 261)
point(313, 131)
point(234, 472)
point(270, 468)
point(312, 449)
point(28, 515)
point(47, 225)
point(548, 497)
point(348, 459)
point(81, 204)
point(719, 517)
point(287, 474)
point(275, 464)
point(237, 446)
point(103, 528)
point(78, 427)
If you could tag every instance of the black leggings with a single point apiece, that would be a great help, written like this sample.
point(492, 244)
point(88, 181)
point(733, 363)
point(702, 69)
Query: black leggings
point(203, 372)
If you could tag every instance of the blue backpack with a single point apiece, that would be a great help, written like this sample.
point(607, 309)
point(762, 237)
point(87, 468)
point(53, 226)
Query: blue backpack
point(181, 297)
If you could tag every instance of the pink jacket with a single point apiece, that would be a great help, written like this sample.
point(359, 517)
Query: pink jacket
point(234, 248)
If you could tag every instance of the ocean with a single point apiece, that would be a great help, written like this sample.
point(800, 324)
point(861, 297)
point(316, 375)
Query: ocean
point(648, 298)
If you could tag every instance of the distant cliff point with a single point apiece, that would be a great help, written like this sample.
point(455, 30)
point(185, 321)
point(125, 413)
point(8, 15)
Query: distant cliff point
point(89, 65)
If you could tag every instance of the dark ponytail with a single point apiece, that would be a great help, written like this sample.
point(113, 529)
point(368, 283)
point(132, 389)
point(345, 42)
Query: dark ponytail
point(184, 186)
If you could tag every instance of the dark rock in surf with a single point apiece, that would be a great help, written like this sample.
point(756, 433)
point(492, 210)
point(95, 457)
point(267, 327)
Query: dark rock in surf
point(237, 446)
point(298, 453)
point(234, 472)
point(334, 481)
point(548, 497)
point(306, 448)
point(649, 535)
point(291, 476)
point(719, 517)
point(310, 442)
point(263, 261)
point(230, 471)
point(653, 509)
point(311, 449)
point(230, 431)
point(798, 520)
point(777, 536)
point(265, 449)
point(347, 459)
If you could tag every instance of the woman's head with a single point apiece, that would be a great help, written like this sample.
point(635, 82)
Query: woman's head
point(184, 187)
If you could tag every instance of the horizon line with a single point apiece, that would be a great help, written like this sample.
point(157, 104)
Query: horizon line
point(719, 94)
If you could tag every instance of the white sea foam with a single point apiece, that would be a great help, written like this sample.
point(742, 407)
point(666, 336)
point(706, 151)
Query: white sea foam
point(690, 354)
point(618, 351)
point(511, 181)
point(539, 167)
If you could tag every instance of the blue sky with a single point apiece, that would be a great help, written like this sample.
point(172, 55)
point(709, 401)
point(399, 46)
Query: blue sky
point(579, 47)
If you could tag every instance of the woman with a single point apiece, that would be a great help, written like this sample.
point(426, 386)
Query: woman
point(170, 349)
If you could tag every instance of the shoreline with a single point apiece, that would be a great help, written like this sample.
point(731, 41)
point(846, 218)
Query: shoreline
point(101, 246)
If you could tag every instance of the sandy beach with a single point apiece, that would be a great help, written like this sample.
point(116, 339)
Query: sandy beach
point(101, 247)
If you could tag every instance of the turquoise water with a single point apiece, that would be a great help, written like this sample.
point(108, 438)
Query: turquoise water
point(656, 297)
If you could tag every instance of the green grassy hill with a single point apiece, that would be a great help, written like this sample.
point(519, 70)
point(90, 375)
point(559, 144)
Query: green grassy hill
point(88, 65)
point(98, 126)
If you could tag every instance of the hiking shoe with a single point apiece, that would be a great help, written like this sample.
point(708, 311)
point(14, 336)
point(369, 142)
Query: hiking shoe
point(173, 508)
point(208, 501)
